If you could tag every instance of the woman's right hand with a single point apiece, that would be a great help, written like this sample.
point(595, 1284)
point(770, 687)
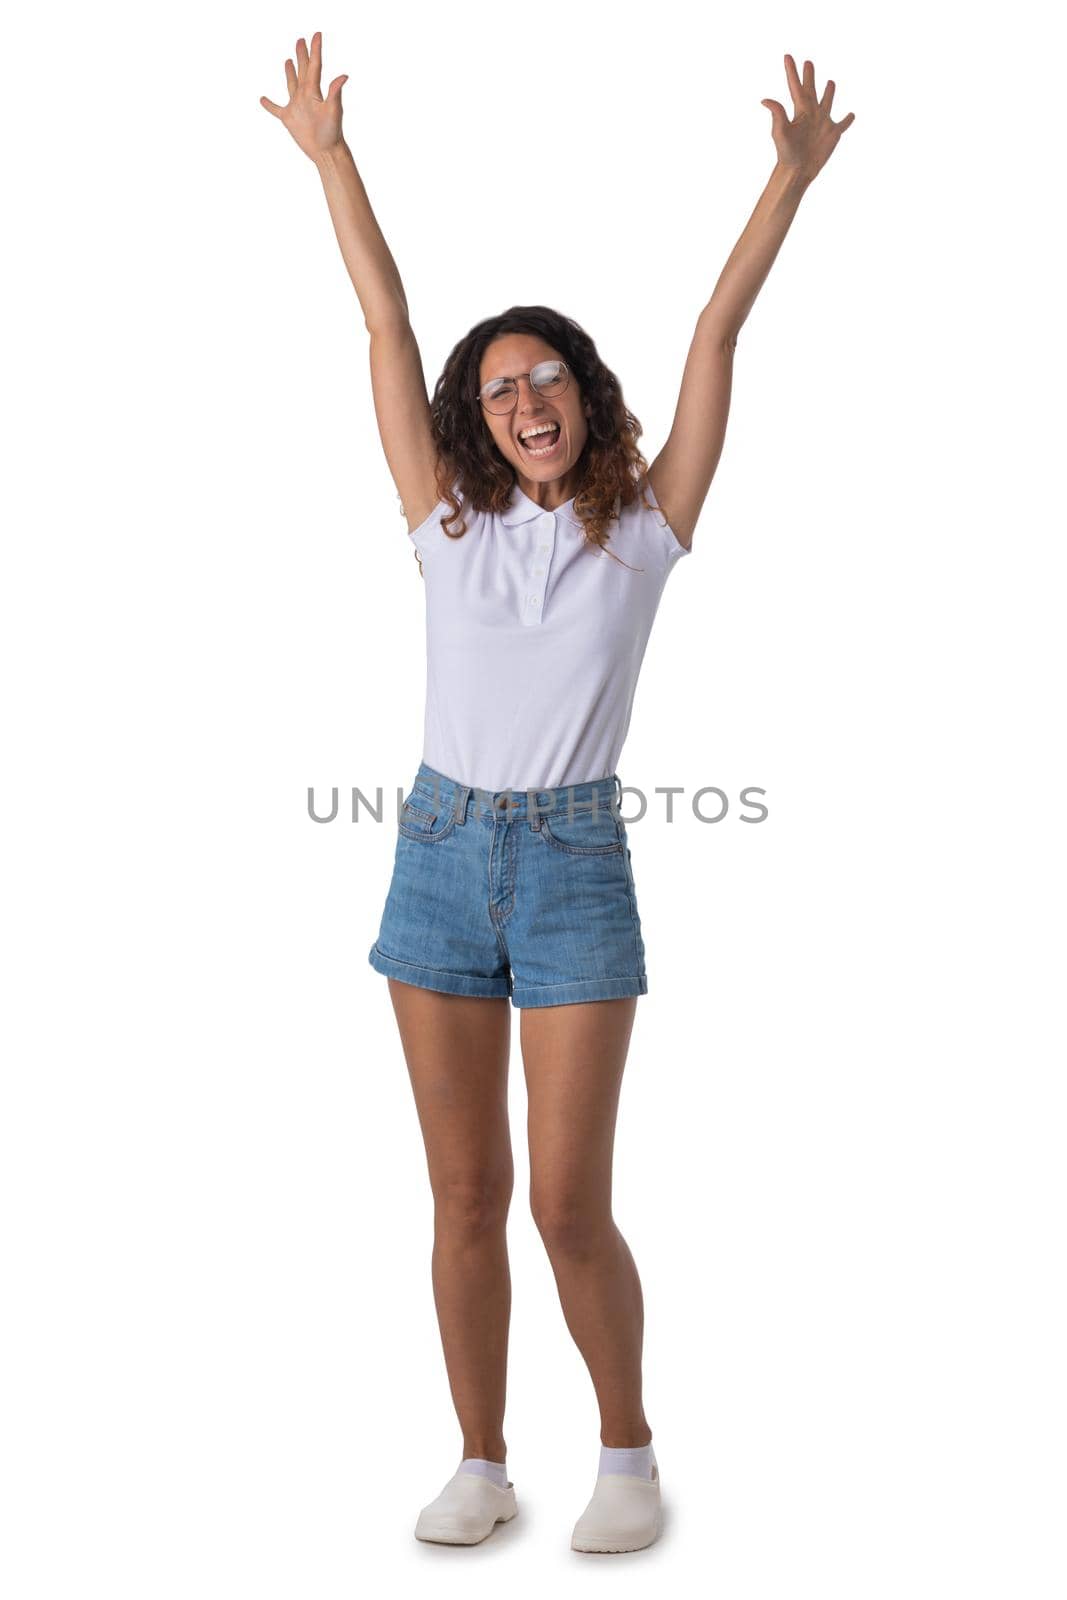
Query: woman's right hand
point(314, 123)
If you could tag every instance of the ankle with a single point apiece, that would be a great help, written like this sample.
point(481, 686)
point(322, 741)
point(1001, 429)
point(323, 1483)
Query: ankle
point(479, 1450)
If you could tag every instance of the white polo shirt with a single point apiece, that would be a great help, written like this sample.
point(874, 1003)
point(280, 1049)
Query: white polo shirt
point(534, 640)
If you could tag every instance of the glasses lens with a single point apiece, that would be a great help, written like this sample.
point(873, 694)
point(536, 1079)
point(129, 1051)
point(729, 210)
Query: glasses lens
point(549, 377)
point(499, 396)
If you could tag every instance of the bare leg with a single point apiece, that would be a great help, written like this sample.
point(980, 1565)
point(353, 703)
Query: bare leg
point(573, 1057)
point(456, 1048)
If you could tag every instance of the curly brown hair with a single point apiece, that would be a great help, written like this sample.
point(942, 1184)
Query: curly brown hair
point(467, 456)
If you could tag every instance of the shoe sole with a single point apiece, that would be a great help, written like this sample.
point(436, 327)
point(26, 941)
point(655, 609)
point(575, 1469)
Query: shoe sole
point(443, 1535)
point(612, 1547)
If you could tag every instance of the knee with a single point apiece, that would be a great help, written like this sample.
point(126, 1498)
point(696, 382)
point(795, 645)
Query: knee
point(473, 1206)
point(570, 1225)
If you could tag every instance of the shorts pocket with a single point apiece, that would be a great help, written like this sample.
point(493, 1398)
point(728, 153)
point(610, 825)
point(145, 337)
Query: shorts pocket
point(582, 833)
point(425, 826)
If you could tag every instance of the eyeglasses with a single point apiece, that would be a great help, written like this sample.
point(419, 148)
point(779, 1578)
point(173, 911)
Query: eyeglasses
point(548, 378)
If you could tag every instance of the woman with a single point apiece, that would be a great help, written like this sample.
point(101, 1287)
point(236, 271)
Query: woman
point(512, 880)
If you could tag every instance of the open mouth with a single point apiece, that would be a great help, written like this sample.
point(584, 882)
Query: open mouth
point(543, 445)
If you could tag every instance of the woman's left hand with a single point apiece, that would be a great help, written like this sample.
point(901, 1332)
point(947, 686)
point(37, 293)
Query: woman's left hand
point(806, 143)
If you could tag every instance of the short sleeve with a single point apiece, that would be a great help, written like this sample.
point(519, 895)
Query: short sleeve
point(429, 533)
point(671, 546)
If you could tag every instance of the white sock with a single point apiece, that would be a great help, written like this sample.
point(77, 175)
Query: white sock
point(636, 1461)
point(496, 1471)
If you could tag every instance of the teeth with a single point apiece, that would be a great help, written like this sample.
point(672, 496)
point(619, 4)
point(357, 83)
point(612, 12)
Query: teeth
point(542, 427)
point(546, 449)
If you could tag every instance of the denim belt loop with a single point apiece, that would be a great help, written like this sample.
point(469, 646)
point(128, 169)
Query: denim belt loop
point(533, 808)
point(459, 801)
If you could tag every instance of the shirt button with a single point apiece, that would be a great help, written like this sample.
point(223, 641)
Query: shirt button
point(532, 599)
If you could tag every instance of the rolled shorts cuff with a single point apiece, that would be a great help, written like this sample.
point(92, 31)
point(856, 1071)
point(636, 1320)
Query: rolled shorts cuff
point(435, 978)
point(561, 994)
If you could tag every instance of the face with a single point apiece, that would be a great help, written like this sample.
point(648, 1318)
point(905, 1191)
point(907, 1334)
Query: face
point(515, 355)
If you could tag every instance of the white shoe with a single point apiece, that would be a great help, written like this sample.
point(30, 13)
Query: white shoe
point(466, 1511)
point(625, 1513)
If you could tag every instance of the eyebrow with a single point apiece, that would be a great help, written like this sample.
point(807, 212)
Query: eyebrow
point(503, 377)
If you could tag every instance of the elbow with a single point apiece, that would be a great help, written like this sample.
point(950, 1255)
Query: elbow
point(715, 329)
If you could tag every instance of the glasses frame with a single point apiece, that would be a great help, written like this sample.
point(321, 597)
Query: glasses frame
point(552, 361)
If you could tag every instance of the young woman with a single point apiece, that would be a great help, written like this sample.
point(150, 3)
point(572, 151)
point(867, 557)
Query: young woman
point(545, 541)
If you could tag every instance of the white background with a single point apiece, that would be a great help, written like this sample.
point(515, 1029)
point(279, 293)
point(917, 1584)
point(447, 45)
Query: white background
point(839, 1161)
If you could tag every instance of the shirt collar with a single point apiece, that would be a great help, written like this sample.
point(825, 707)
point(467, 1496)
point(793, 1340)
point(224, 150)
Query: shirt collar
point(523, 509)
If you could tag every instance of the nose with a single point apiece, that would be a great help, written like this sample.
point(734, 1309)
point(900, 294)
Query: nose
point(531, 395)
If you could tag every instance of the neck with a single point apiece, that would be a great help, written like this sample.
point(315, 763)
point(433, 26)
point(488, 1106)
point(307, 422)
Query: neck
point(549, 496)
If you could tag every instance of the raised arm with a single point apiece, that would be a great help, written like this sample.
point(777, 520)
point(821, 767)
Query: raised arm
point(397, 379)
point(681, 474)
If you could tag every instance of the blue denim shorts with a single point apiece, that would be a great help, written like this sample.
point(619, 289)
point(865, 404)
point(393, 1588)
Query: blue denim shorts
point(526, 893)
